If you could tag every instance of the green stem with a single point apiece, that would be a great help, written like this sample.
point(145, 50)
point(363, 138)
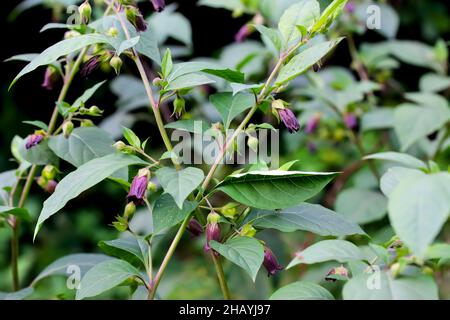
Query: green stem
point(221, 276)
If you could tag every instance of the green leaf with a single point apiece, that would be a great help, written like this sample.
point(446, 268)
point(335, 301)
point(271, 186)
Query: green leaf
point(432, 82)
point(188, 81)
point(185, 68)
point(127, 44)
point(275, 189)
point(38, 124)
point(227, 74)
point(167, 64)
point(39, 154)
point(394, 176)
point(148, 45)
point(307, 217)
point(104, 276)
point(269, 34)
point(60, 49)
point(238, 87)
point(328, 15)
point(361, 205)
point(377, 119)
point(166, 212)
point(412, 122)
point(326, 250)
point(303, 13)
point(179, 183)
point(21, 213)
point(303, 61)
point(83, 145)
point(60, 267)
point(132, 249)
point(381, 286)
point(302, 290)
point(85, 177)
point(438, 251)
point(418, 208)
point(402, 158)
point(230, 106)
point(27, 57)
point(131, 137)
point(189, 125)
point(247, 253)
point(86, 95)
point(18, 295)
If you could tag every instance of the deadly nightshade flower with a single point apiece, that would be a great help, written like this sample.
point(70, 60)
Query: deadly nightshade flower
point(195, 228)
point(90, 66)
point(51, 186)
point(270, 262)
point(243, 33)
point(212, 230)
point(33, 140)
point(138, 187)
point(312, 124)
point(50, 78)
point(350, 120)
point(136, 19)
point(158, 5)
point(289, 119)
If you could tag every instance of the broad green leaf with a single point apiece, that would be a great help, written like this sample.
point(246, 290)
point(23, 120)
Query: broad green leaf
point(269, 34)
point(166, 212)
point(21, 213)
point(167, 63)
point(188, 81)
point(247, 253)
point(18, 295)
point(307, 217)
point(83, 145)
point(132, 249)
point(189, 125)
point(381, 286)
point(85, 177)
point(401, 158)
point(377, 119)
point(104, 276)
point(303, 61)
point(27, 57)
point(394, 176)
point(432, 82)
point(275, 189)
point(37, 123)
point(60, 49)
point(87, 95)
point(326, 250)
point(438, 251)
point(418, 208)
point(238, 87)
point(184, 68)
point(148, 45)
point(230, 106)
point(361, 205)
point(427, 99)
point(302, 290)
point(179, 183)
point(63, 266)
point(127, 44)
point(131, 137)
point(303, 13)
point(227, 74)
point(39, 154)
point(170, 24)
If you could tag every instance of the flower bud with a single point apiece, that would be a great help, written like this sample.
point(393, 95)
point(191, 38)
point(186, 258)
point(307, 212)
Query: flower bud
point(71, 34)
point(289, 119)
point(50, 78)
point(116, 64)
point(195, 228)
point(49, 172)
point(179, 106)
point(248, 231)
point(253, 143)
point(90, 66)
point(151, 186)
point(113, 32)
point(312, 124)
point(136, 19)
point(138, 187)
point(158, 5)
point(243, 33)
point(51, 186)
point(157, 82)
point(212, 229)
point(337, 273)
point(86, 123)
point(119, 145)
point(33, 140)
point(67, 128)
point(85, 11)
point(42, 182)
point(229, 210)
point(120, 224)
point(270, 262)
point(129, 211)
point(95, 111)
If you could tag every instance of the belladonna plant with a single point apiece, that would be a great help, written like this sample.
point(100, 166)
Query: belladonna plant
point(151, 192)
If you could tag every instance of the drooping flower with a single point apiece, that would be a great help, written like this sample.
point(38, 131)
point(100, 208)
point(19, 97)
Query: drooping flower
point(136, 18)
point(33, 140)
point(243, 33)
point(51, 186)
point(270, 262)
point(195, 228)
point(90, 66)
point(212, 230)
point(50, 78)
point(289, 119)
point(350, 120)
point(312, 124)
point(159, 5)
point(138, 187)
